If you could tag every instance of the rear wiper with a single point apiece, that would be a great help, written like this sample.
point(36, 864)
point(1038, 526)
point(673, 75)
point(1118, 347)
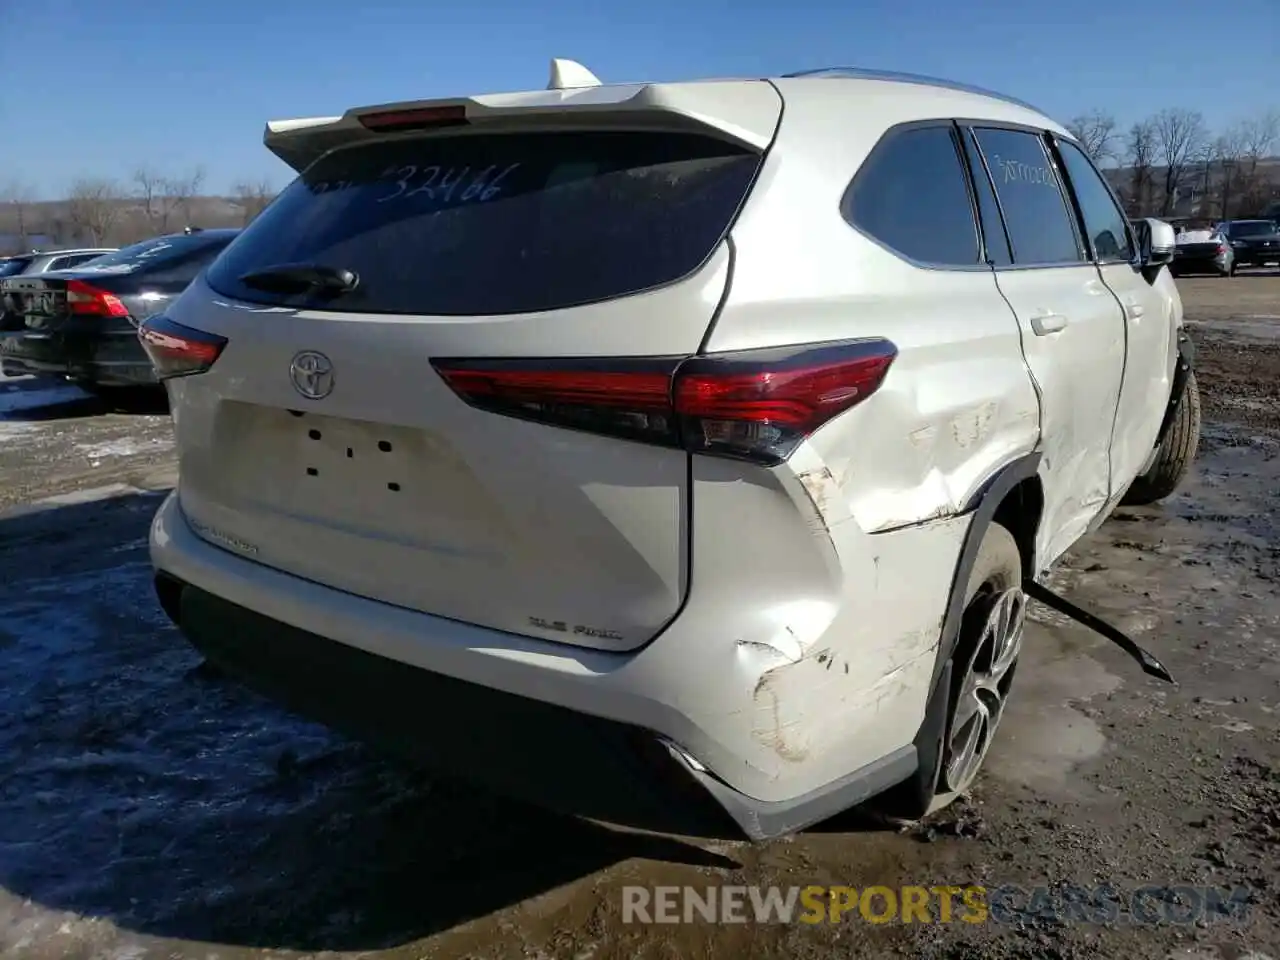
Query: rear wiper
point(301, 277)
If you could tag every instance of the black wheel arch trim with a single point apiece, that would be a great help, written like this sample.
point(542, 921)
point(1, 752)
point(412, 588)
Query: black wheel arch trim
point(1182, 370)
point(983, 506)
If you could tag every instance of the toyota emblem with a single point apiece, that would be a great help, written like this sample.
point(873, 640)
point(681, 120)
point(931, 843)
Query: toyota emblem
point(312, 375)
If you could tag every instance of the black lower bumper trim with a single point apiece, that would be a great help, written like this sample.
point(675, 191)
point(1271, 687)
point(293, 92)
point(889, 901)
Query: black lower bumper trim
point(526, 749)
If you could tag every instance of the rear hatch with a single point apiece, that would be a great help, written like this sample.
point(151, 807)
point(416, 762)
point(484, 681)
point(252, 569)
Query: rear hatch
point(323, 442)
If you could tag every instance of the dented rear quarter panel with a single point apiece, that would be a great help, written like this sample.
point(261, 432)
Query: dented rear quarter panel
point(868, 517)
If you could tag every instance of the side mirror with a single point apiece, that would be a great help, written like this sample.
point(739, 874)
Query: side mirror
point(1156, 242)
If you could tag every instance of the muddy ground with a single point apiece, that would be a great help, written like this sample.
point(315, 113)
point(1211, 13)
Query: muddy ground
point(147, 810)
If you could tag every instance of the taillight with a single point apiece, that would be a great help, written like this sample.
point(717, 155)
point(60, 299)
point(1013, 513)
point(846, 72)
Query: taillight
point(415, 119)
point(87, 300)
point(756, 404)
point(178, 351)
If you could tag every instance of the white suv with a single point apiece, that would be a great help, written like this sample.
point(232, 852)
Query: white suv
point(673, 454)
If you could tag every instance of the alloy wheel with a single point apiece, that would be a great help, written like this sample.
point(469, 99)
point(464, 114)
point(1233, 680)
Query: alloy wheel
point(984, 689)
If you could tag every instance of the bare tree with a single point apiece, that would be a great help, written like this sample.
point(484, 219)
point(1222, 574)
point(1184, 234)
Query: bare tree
point(1180, 134)
point(1096, 132)
point(252, 197)
point(93, 207)
point(148, 187)
point(1225, 151)
point(1140, 154)
point(1258, 140)
point(177, 194)
point(18, 198)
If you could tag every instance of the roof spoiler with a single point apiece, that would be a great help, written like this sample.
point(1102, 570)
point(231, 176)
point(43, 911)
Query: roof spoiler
point(744, 112)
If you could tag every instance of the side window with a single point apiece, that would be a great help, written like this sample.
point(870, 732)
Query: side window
point(993, 234)
point(1104, 224)
point(911, 195)
point(1035, 210)
point(66, 263)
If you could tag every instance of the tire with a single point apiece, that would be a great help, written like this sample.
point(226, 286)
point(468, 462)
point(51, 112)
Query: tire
point(1177, 451)
point(994, 589)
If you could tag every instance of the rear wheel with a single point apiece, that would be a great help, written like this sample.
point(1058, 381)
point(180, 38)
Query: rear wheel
point(982, 669)
point(1176, 453)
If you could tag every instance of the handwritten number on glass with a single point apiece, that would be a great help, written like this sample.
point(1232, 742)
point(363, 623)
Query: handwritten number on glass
point(441, 183)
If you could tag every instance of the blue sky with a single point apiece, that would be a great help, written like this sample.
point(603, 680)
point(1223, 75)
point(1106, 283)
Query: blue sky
point(179, 83)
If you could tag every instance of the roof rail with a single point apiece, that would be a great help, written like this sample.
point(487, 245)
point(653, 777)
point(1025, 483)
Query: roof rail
point(862, 73)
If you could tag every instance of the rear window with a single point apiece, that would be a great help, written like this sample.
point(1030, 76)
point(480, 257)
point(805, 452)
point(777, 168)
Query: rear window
point(12, 266)
point(498, 224)
point(1252, 228)
point(149, 253)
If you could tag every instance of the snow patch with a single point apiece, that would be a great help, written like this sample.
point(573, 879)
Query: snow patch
point(124, 447)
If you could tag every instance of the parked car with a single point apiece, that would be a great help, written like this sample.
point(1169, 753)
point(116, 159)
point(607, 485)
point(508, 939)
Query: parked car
point(81, 324)
point(1254, 243)
point(42, 261)
point(1203, 250)
point(682, 465)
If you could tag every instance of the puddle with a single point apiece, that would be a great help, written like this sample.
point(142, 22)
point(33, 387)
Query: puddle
point(1043, 737)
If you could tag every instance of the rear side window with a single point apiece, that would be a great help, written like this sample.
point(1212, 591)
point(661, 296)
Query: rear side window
point(911, 195)
point(73, 260)
point(486, 224)
point(1035, 209)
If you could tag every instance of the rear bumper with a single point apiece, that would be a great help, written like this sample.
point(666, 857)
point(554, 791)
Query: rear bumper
point(618, 737)
point(1254, 257)
point(1219, 263)
point(109, 354)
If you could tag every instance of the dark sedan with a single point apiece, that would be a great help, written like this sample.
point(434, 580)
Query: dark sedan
point(1253, 242)
point(1211, 255)
point(81, 324)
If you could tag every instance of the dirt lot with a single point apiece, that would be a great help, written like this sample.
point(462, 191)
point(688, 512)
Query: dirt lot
point(149, 811)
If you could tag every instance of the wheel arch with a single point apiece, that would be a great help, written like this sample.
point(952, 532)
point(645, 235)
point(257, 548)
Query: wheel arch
point(1014, 498)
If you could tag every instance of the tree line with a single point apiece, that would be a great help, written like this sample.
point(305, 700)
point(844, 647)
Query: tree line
point(100, 211)
point(1169, 163)
point(1173, 162)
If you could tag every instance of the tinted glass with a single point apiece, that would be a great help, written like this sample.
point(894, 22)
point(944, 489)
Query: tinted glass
point(1035, 210)
point(1252, 228)
point(157, 250)
point(911, 195)
point(75, 259)
point(13, 266)
point(498, 224)
point(1104, 223)
point(997, 242)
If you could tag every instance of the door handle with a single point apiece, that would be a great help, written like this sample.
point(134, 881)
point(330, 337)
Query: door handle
point(1043, 324)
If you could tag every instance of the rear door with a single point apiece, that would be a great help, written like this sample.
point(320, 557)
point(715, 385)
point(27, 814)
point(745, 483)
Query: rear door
point(323, 442)
point(1072, 331)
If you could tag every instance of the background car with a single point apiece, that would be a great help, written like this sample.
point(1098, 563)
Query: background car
point(81, 324)
point(1254, 243)
point(42, 261)
point(1202, 250)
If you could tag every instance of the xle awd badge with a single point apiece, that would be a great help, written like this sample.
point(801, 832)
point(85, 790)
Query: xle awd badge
point(312, 375)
